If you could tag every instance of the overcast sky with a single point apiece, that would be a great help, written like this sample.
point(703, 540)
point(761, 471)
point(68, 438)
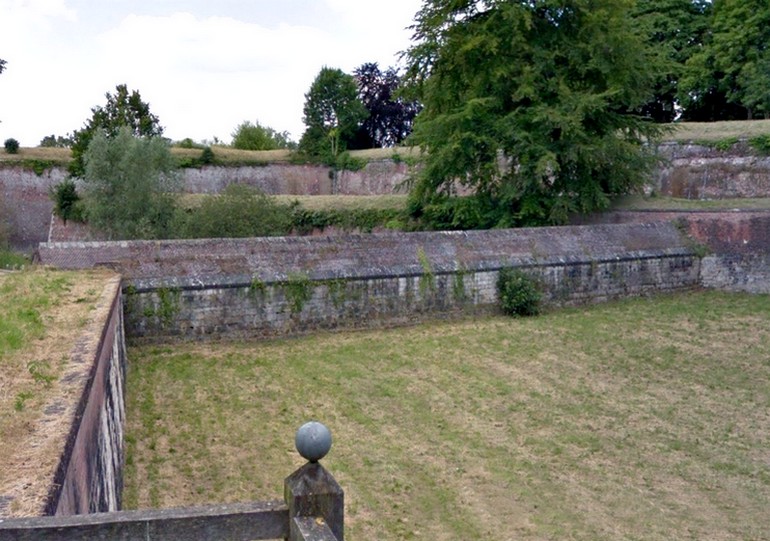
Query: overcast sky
point(204, 66)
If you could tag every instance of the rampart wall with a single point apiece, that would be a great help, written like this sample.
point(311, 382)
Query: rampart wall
point(688, 171)
point(271, 286)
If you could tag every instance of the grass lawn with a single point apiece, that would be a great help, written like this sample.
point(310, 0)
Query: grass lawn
point(640, 419)
point(717, 131)
point(42, 312)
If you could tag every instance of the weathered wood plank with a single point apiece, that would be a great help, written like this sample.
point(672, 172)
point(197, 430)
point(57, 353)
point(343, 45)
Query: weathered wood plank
point(234, 522)
point(311, 529)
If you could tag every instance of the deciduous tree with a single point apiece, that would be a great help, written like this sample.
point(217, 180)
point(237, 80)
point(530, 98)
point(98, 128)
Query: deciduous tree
point(332, 114)
point(675, 29)
point(248, 136)
point(733, 66)
point(529, 104)
point(390, 116)
point(129, 185)
point(124, 109)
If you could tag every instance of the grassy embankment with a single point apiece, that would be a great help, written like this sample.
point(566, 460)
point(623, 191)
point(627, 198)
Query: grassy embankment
point(41, 313)
point(641, 419)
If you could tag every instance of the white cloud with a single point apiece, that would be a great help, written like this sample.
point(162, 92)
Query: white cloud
point(202, 74)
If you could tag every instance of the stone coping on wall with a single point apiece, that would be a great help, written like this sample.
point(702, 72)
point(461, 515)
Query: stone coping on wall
point(275, 259)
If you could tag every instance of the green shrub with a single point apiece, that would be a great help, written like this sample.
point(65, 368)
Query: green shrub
point(207, 156)
point(761, 143)
point(67, 205)
point(239, 211)
point(304, 221)
point(518, 293)
point(11, 146)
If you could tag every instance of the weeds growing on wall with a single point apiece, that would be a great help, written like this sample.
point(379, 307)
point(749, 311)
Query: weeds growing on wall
point(298, 289)
point(428, 277)
point(518, 293)
point(761, 143)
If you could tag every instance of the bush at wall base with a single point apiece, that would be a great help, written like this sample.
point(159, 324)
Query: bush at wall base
point(517, 293)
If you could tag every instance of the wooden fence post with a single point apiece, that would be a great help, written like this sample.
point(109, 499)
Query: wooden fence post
point(314, 498)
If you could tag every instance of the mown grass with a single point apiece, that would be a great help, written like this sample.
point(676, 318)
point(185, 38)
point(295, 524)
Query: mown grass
point(641, 419)
point(640, 202)
point(718, 131)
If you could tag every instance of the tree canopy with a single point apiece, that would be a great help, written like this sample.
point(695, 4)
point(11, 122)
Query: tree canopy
point(676, 30)
point(529, 105)
point(390, 116)
point(332, 113)
point(124, 109)
point(129, 185)
point(2, 65)
point(248, 136)
point(729, 77)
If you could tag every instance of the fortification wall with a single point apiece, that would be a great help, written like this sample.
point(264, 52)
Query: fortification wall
point(688, 170)
point(693, 171)
point(25, 205)
point(90, 474)
point(270, 286)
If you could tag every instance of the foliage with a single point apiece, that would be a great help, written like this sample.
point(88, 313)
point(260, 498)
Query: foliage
point(298, 290)
point(206, 157)
point(239, 211)
point(123, 110)
point(129, 185)
point(54, 141)
point(390, 116)
point(517, 293)
point(530, 105)
point(187, 142)
point(305, 221)
point(11, 146)
point(2, 65)
point(729, 77)
point(761, 143)
point(332, 113)
point(9, 259)
point(67, 203)
point(248, 136)
point(675, 29)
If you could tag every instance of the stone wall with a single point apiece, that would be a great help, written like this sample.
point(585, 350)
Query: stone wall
point(377, 177)
point(90, 474)
point(270, 286)
point(688, 170)
point(693, 171)
point(25, 204)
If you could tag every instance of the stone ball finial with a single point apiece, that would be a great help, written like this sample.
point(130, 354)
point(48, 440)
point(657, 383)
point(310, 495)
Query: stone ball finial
point(313, 441)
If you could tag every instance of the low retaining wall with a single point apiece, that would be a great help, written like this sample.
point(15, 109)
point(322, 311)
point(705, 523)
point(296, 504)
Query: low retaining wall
point(90, 474)
point(693, 171)
point(270, 286)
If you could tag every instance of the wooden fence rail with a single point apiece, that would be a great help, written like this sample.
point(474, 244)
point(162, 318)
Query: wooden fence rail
point(312, 510)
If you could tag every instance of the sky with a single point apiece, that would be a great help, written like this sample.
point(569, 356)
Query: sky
point(204, 66)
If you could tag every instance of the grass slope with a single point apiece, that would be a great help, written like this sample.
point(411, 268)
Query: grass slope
point(641, 419)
